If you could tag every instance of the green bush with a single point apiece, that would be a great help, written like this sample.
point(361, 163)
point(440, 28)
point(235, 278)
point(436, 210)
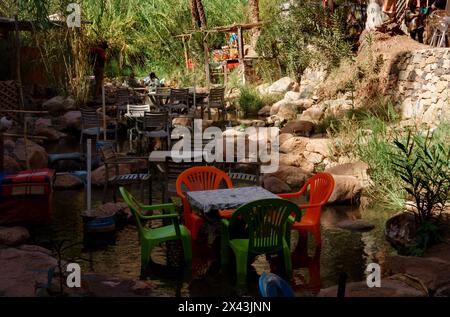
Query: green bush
point(250, 101)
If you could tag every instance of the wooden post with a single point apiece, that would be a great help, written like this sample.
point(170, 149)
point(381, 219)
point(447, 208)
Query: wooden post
point(186, 53)
point(206, 52)
point(241, 53)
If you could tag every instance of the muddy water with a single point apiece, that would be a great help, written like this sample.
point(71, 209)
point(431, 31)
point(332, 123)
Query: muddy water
point(342, 251)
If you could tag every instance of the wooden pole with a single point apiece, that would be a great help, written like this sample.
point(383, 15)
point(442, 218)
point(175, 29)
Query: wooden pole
point(186, 53)
point(241, 53)
point(206, 52)
point(89, 175)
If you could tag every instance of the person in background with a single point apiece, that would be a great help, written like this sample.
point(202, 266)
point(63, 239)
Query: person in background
point(133, 82)
point(98, 55)
point(414, 21)
point(152, 81)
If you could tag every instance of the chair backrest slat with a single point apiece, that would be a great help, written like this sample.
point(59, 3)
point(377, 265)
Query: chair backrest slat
point(217, 95)
point(267, 221)
point(179, 95)
point(155, 120)
point(137, 110)
point(89, 118)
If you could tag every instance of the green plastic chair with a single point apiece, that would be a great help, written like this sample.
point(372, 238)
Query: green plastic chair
point(268, 225)
point(150, 238)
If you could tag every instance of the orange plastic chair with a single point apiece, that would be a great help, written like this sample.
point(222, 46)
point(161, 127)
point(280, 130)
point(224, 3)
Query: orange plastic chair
point(195, 179)
point(320, 187)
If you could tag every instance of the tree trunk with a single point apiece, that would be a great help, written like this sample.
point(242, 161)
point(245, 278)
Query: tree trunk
point(201, 13)
point(194, 14)
point(254, 7)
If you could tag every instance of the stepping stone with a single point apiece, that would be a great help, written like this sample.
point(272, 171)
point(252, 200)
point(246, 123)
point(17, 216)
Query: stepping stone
point(355, 225)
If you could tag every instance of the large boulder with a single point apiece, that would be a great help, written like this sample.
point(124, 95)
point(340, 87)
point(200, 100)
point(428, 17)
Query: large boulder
point(297, 161)
point(299, 127)
point(275, 185)
point(390, 287)
point(12, 236)
point(434, 273)
point(23, 268)
point(292, 96)
point(401, 231)
point(281, 86)
point(291, 175)
point(265, 111)
point(320, 146)
point(295, 145)
point(71, 120)
point(287, 112)
point(58, 105)
point(283, 137)
point(49, 132)
point(263, 89)
point(36, 154)
point(312, 114)
point(356, 169)
point(347, 189)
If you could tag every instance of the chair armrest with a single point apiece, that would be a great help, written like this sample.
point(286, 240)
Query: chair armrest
point(293, 195)
point(169, 207)
point(155, 217)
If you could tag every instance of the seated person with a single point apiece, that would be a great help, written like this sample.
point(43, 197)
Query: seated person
point(133, 82)
point(152, 81)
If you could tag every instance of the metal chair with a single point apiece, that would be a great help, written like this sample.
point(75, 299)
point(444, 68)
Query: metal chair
point(179, 100)
point(134, 113)
point(90, 124)
point(113, 160)
point(216, 100)
point(156, 125)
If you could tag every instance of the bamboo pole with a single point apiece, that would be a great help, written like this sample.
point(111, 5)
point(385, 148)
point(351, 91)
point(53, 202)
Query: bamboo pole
point(14, 135)
point(104, 112)
point(241, 53)
point(206, 52)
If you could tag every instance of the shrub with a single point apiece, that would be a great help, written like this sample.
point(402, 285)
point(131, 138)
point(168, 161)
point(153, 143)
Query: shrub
point(250, 101)
point(423, 164)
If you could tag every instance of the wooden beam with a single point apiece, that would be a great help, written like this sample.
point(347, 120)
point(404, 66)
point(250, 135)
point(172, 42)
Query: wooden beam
point(186, 52)
point(206, 52)
point(241, 53)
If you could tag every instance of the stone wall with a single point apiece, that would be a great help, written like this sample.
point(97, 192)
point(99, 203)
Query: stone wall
point(420, 81)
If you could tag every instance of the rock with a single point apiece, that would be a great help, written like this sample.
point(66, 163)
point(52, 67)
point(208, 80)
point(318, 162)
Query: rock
point(356, 169)
point(281, 86)
point(292, 96)
point(263, 89)
point(49, 132)
point(346, 189)
point(276, 106)
point(71, 120)
point(59, 105)
point(299, 127)
point(320, 146)
point(68, 182)
point(275, 185)
point(312, 114)
point(390, 287)
point(283, 137)
point(293, 176)
point(355, 225)
point(12, 236)
point(98, 175)
point(265, 111)
point(287, 112)
point(312, 157)
point(295, 145)
point(297, 161)
point(443, 291)
point(10, 165)
point(37, 156)
point(22, 269)
point(43, 122)
point(434, 273)
point(400, 231)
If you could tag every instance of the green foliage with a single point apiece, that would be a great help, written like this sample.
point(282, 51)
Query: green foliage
point(305, 35)
point(249, 100)
point(423, 164)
